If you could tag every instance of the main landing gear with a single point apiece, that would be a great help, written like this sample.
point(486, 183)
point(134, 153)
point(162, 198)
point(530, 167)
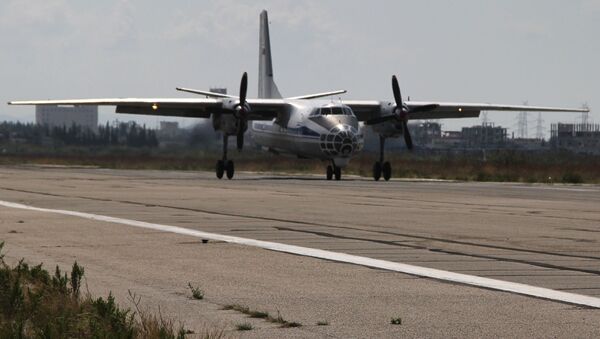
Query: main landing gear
point(382, 168)
point(333, 170)
point(225, 166)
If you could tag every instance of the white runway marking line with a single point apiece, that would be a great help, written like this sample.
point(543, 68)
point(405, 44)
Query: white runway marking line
point(493, 284)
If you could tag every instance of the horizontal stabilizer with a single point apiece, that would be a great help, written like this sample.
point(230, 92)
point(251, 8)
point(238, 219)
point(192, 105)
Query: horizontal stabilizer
point(207, 93)
point(319, 95)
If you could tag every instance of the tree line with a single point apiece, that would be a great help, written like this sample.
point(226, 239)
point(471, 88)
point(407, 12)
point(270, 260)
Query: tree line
point(127, 134)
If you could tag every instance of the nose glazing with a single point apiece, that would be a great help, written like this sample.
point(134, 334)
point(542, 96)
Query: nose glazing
point(342, 140)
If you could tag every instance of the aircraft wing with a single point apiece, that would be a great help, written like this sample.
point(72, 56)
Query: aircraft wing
point(448, 110)
point(262, 109)
point(367, 110)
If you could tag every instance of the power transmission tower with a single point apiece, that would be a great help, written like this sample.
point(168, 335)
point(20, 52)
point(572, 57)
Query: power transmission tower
point(523, 128)
point(522, 124)
point(539, 128)
point(585, 116)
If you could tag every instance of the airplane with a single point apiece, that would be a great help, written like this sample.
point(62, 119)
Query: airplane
point(305, 126)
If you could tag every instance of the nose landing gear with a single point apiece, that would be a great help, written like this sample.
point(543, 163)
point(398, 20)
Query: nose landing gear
point(334, 171)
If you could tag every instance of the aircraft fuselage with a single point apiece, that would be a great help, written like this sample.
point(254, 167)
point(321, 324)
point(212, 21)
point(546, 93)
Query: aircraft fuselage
point(313, 129)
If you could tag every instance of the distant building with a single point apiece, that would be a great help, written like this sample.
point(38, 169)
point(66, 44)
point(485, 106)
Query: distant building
point(221, 90)
point(450, 139)
point(484, 136)
point(583, 138)
point(58, 116)
point(528, 144)
point(425, 134)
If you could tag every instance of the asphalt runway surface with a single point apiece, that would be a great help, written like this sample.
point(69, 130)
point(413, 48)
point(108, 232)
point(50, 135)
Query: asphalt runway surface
point(540, 235)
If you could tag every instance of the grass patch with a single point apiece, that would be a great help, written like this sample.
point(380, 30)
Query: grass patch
point(258, 314)
point(282, 322)
point(197, 293)
point(244, 327)
point(37, 304)
point(262, 315)
point(396, 321)
point(572, 178)
point(236, 307)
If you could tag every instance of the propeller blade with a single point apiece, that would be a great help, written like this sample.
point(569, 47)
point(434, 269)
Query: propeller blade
point(397, 94)
point(402, 117)
point(243, 88)
point(406, 133)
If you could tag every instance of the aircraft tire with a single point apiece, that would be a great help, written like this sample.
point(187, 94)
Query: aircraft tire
point(329, 172)
point(220, 169)
point(337, 172)
point(229, 169)
point(387, 171)
point(377, 171)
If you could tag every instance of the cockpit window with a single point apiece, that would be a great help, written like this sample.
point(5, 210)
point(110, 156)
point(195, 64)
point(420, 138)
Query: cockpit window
point(325, 110)
point(332, 110)
point(337, 111)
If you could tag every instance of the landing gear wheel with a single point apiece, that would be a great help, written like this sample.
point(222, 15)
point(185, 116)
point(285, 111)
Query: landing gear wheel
point(387, 170)
point(377, 171)
point(229, 169)
point(329, 172)
point(337, 172)
point(220, 169)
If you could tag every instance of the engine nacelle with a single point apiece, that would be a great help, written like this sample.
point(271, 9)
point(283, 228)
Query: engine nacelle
point(391, 128)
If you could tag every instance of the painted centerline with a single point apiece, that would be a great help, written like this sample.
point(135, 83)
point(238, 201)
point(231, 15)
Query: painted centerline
point(494, 284)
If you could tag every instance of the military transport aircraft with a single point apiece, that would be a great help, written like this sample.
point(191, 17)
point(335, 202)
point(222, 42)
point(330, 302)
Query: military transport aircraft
point(304, 126)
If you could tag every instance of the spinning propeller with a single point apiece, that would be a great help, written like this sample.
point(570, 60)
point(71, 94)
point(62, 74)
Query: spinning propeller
point(241, 111)
point(401, 113)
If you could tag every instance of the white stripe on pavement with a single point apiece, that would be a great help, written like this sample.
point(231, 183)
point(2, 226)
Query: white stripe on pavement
point(466, 279)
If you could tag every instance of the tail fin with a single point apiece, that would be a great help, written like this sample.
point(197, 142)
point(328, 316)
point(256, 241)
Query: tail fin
point(266, 85)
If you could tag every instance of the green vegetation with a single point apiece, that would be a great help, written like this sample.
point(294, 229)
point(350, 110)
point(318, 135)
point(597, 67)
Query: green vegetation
point(122, 134)
point(197, 293)
point(396, 321)
point(262, 315)
point(501, 165)
point(35, 304)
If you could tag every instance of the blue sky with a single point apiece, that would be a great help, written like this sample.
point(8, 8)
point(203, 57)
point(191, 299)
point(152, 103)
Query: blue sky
point(543, 52)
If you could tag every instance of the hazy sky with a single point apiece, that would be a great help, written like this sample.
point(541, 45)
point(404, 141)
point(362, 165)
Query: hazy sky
point(545, 52)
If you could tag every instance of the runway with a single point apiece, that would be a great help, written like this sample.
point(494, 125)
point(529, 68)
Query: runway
point(543, 236)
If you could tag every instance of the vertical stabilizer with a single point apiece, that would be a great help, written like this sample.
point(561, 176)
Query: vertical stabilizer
point(266, 85)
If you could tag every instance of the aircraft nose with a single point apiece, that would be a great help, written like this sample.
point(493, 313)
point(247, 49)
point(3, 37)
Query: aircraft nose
point(342, 140)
